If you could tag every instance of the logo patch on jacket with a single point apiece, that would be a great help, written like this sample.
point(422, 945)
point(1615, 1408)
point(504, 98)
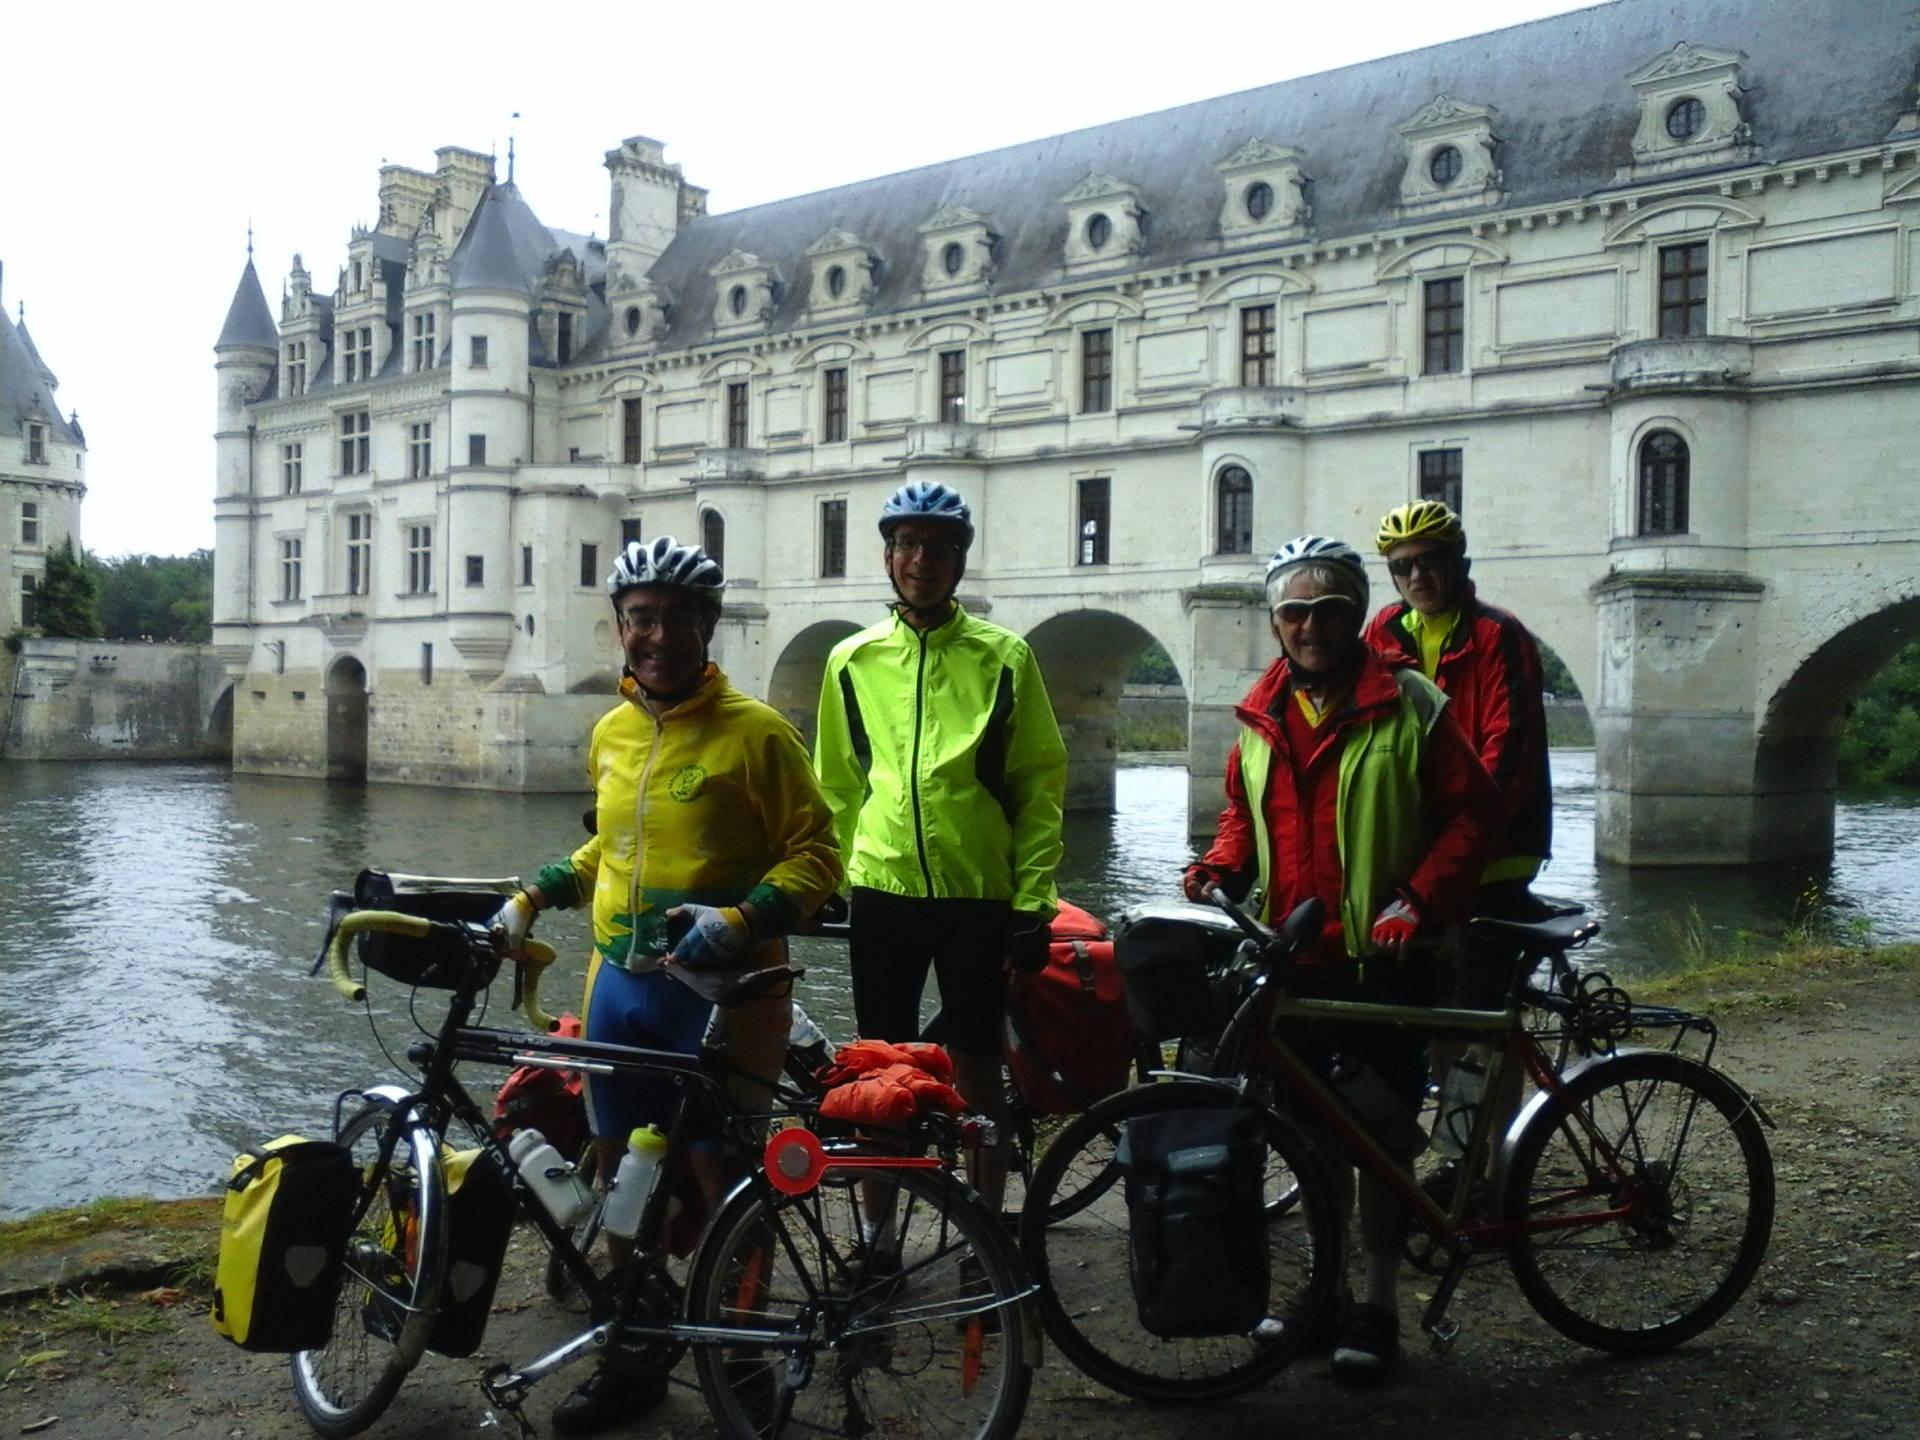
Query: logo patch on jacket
point(686, 782)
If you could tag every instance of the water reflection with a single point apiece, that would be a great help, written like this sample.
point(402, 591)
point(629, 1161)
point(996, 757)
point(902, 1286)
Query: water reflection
point(156, 1011)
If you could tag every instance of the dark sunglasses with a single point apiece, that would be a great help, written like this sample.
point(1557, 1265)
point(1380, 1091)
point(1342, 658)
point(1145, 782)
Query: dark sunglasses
point(1326, 607)
point(1428, 562)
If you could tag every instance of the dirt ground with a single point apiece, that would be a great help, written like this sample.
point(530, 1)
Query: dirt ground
point(1824, 1344)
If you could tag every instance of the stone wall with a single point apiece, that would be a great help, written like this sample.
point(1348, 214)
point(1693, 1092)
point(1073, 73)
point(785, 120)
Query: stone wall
point(113, 700)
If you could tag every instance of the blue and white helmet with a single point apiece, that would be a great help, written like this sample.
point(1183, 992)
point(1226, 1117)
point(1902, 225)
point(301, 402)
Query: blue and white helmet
point(1337, 555)
point(665, 561)
point(927, 500)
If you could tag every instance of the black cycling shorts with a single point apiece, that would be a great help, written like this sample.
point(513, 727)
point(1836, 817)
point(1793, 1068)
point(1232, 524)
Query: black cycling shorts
point(891, 941)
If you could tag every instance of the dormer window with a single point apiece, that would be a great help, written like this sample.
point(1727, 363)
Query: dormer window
point(744, 291)
point(1104, 222)
point(840, 266)
point(356, 354)
point(36, 444)
point(632, 321)
point(1690, 113)
point(296, 367)
point(563, 338)
point(958, 250)
point(1450, 147)
point(358, 276)
point(1265, 193)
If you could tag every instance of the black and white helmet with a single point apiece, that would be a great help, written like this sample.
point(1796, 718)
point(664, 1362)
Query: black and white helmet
point(665, 561)
point(1336, 555)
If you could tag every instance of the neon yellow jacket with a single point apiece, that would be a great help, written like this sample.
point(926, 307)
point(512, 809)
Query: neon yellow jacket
point(713, 802)
point(939, 756)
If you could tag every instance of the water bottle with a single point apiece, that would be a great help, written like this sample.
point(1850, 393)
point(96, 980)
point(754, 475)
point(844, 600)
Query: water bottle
point(633, 1182)
point(560, 1189)
point(1460, 1097)
point(1388, 1120)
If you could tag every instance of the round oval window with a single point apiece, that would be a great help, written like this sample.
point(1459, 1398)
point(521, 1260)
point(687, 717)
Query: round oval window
point(1444, 166)
point(1685, 117)
point(1259, 200)
point(836, 281)
point(952, 258)
point(737, 300)
point(1099, 231)
point(633, 319)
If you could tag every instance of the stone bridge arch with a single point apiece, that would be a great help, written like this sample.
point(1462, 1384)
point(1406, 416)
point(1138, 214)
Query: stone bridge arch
point(1797, 744)
point(793, 685)
point(1084, 655)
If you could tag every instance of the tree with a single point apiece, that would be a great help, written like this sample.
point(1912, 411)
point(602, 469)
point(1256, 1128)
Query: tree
point(65, 605)
point(1881, 742)
point(1153, 667)
point(156, 597)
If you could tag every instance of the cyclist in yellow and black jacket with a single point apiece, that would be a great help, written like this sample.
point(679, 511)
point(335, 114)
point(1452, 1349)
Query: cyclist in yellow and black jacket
point(706, 815)
point(939, 756)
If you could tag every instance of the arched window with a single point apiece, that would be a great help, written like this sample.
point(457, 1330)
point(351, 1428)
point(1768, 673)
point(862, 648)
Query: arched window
point(1233, 511)
point(1664, 465)
point(713, 536)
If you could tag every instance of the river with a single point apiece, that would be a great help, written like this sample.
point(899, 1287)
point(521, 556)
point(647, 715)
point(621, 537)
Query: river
point(156, 1012)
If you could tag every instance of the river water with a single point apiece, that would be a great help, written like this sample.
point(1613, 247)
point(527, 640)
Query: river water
point(159, 921)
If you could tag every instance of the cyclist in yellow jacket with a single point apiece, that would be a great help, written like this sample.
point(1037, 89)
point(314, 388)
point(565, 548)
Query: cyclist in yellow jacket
point(706, 816)
point(938, 753)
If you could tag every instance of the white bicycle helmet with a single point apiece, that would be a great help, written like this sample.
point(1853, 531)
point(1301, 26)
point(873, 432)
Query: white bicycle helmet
point(665, 561)
point(1317, 550)
point(928, 500)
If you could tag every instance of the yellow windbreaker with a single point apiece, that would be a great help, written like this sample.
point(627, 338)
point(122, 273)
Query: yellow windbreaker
point(713, 802)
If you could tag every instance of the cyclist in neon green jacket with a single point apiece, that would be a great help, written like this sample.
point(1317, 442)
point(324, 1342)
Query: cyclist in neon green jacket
point(938, 754)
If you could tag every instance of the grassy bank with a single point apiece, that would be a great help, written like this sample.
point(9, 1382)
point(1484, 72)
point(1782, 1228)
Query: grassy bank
point(1778, 974)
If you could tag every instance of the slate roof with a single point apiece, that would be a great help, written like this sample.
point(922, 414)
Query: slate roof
point(249, 321)
point(1820, 78)
point(505, 247)
point(27, 386)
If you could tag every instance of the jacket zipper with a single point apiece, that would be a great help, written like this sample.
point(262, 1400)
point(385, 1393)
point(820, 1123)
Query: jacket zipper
point(913, 782)
point(640, 838)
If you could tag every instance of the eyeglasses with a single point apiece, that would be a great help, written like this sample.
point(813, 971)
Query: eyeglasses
point(1323, 607)
point(1428, 562)
point(667, 622)
point(932, 549)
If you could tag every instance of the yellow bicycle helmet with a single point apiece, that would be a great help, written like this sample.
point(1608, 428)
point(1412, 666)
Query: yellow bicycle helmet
point(1421, 520)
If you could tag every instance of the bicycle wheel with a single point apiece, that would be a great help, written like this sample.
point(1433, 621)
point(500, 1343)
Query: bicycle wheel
point(1691, 1172)
point(936, 1348)
point(388, 1298)
point(1081, 1263)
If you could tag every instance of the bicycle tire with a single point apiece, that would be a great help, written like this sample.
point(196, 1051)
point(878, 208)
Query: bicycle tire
point(396, 1259)
point(1701, 1173)
point(1081, 1263)
point(910, 1352)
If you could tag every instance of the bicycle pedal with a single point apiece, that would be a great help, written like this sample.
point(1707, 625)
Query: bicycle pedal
point(504, 1387)
point(1441, 1335)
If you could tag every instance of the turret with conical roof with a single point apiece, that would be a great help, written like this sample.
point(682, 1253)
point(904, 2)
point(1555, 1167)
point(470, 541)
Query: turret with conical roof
point(245, 357)
point(42, 460)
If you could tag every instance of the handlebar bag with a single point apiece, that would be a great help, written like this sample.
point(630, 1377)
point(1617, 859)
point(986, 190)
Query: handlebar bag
point(1196, 1222)
point(438, 961)
point(283, 1239)
point(479, 1224)
point(1167, 952)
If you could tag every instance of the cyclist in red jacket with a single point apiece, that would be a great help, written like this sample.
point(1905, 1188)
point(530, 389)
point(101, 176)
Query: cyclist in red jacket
point(1488, 665)
point(1351, 782)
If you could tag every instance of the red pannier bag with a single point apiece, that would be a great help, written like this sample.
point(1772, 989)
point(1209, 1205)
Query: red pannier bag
point(1069, 1041)
point(550, 1101)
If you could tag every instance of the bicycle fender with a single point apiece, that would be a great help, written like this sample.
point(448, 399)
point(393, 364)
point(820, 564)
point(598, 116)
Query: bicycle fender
point(1511, 1142)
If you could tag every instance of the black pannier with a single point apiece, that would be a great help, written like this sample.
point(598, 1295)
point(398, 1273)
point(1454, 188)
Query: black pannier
point(1197, 1228)
point(434, 962)
point(283, 1239)
point(480, 1210)
point(1168, 955)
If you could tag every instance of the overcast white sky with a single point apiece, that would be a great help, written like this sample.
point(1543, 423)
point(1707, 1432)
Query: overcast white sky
point(136, 143)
